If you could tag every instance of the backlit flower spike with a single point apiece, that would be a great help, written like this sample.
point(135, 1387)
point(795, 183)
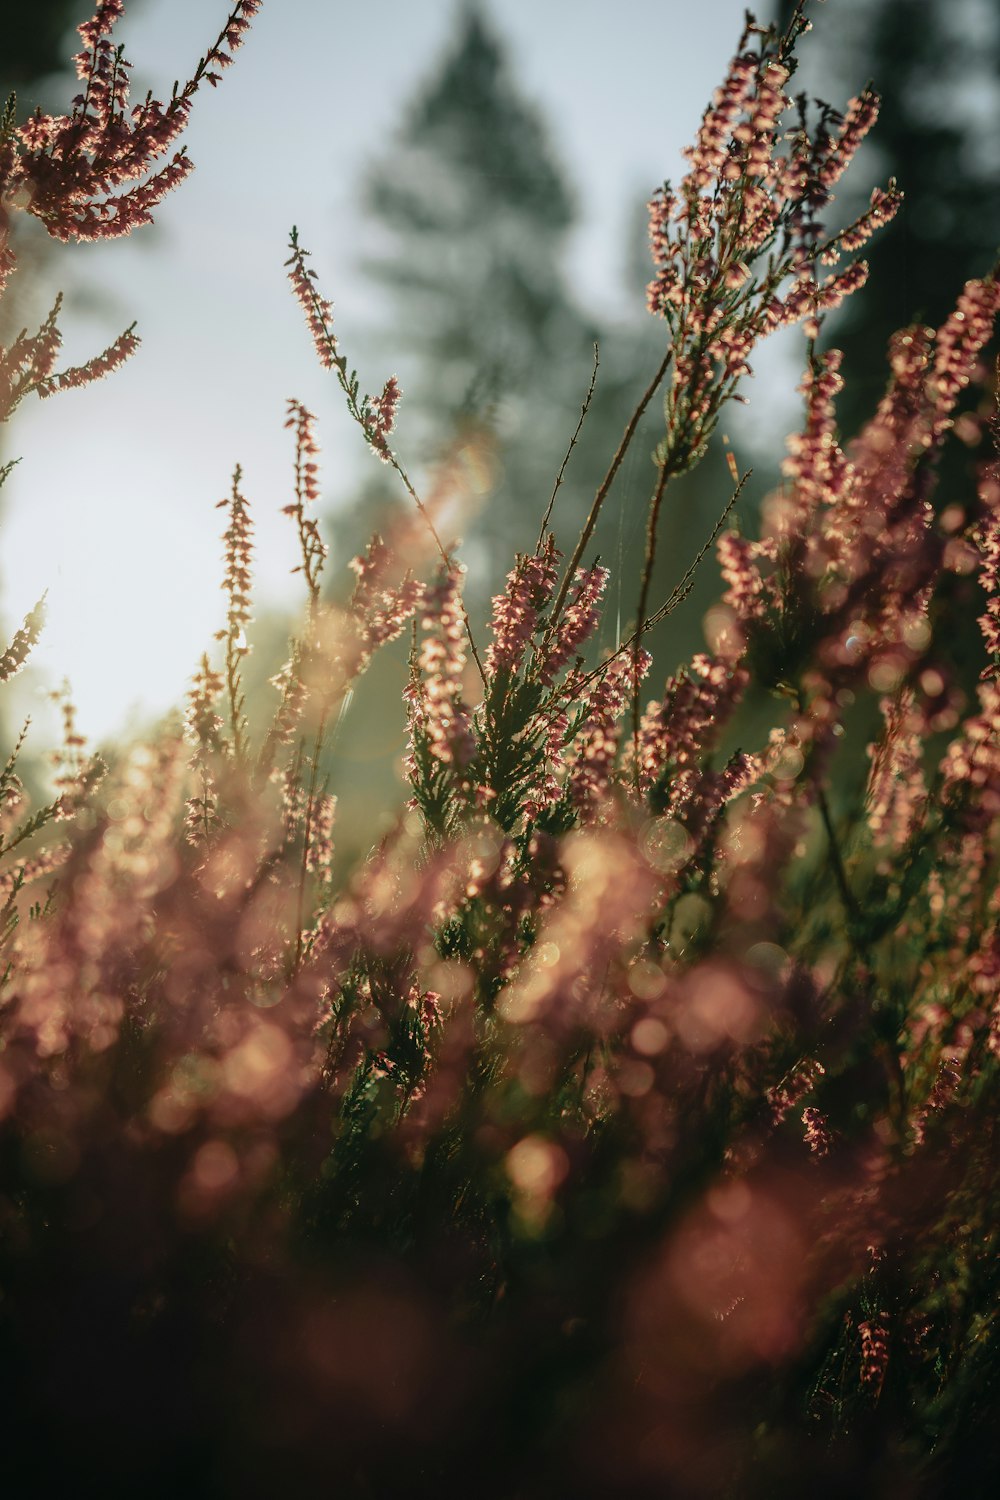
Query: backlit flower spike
point(529, 589)
point(65, 169)
point(381, 411)
point(447, 721)
point(815, 462)
point(578, 623)
point(592, 754)
point(313, 550)
point(896, 794)
point(237, 583)
point(382, 603)
point(958, 345)
point(16, 654)
point(112, 358)
point(677, 733)
point(28, 362)
point(318, 311)
point(858, 118)
point(987, 538)
point(710, 151)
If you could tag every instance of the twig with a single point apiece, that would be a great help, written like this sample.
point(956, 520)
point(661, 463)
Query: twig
point(676, 597)
point(652, 525)
point(572, 444)
point(602, 493)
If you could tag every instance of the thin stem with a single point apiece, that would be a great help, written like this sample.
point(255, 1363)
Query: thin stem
point(307, 836)
point(847, 896)
point(235, 700)
point(337, 362)
point(572, 444)
point(602, 493)
point(652, 525)
point(681, 590)
point(445, 558)
point(677, 595)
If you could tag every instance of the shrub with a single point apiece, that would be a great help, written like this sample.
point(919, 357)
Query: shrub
point(623, 1123)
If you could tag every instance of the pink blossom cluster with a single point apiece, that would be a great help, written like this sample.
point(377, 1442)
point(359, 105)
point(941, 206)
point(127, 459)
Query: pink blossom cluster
point(988, 540)
point(749, 191)
point(514, 620)
point(237, 585)
point(593, 752)
point(799, 1082)
point(27, 635)
point(874, 1335)
point(313, 549)
point(67, 170)
point(443, 715)
point(381, 412)
point(381, 604)
point(318, 311)
point(577, 623)
point(676, 731)
point(897, 787)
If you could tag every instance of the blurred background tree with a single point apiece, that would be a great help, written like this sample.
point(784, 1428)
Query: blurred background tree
point(33, 50)
point(472, 215)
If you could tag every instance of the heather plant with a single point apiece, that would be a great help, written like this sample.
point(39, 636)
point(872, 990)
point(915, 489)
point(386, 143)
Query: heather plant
point(623, 1123)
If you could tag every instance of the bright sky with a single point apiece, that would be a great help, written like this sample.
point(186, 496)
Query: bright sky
point(113, 506)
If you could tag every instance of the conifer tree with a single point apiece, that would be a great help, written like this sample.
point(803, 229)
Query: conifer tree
point(473, 212)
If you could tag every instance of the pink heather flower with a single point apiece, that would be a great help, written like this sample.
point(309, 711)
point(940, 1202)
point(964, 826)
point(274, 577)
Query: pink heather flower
point(313, 549)
point(817, 1131)
point(710, 149)
point(874, 1335)
point(102, 364)
point(237, 582)
point(794, 1087)
point(293, 692)
point(318, 311)
point(530, 586)
point(447, 721)
point(37, 868)
point(970, 768)
point(547, 787)
point(593, 751)
point(579, 620)
point(319, 853)
point(381, 417)
point(882, 209)
point(65, 169)
point(16, 654)
point(959, 341)
point(381, 607)
point(306, 449)
point(745, 591)
point(202, 723)
point(675, 734)
point(859, 117)
point(815, 462)
point(988, 538)
point(897, 790)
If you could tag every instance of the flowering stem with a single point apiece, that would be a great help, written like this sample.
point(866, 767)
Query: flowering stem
point(677, 595)
point(602, 493)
